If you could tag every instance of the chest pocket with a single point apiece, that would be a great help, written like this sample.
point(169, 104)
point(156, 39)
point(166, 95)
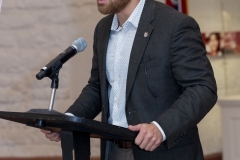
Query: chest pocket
point(152, 76)
point(150, 64)
point(153, 63)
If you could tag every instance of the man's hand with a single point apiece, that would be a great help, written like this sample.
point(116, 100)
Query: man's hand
point(149, 137)
point(52, 136)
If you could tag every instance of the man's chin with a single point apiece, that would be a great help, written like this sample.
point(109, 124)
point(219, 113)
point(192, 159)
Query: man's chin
point(111, 7)
point(104, 9)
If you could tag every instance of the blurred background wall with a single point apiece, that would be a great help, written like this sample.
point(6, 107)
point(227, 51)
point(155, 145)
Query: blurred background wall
point(33, 32)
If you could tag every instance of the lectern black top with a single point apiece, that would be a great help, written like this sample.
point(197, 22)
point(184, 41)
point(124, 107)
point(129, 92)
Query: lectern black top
point(56, 121)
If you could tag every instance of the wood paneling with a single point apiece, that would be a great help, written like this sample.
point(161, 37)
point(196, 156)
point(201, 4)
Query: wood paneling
point(217, 156)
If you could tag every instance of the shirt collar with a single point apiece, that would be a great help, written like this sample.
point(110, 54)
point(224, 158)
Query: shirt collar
point(133, 19)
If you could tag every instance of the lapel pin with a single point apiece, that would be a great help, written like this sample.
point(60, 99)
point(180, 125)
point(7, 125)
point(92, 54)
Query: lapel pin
point(146, 34)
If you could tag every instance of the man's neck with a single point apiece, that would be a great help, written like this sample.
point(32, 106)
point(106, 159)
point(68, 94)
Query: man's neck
point(127, 11)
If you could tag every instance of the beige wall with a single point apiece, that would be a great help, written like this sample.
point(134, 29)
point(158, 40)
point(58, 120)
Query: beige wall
point(33, 32)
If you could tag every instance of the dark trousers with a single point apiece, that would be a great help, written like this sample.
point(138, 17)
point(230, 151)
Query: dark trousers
point(116, 153)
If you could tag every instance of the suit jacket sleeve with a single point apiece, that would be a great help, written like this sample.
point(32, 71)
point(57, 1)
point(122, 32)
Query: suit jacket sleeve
point(192, 70)
point(88, 104)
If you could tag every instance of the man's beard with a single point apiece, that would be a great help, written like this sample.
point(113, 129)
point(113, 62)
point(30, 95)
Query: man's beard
point(113, 6)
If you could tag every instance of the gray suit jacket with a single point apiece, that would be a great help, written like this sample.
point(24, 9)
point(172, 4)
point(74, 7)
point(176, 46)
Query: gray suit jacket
point(170, 81)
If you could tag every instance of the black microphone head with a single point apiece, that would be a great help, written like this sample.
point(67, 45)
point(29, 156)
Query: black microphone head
point(41, 74)
point(79, 44)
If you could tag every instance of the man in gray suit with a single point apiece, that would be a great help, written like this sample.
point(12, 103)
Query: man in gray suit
point(150, 74)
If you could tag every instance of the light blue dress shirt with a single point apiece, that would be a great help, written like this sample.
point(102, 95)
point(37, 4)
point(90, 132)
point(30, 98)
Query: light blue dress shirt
point(118, 56)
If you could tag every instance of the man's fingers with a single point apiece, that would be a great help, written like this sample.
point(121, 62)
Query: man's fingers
point(148, 138)
point(59, 138)
point(153, 148)
point(155, 145)
point(139, 139)
point(45, 131)
point(147, 141)
point(152, 145)
point(51, 135)
point(141, 136)
point(56, 138)
point(134, 128)
point(144, 144)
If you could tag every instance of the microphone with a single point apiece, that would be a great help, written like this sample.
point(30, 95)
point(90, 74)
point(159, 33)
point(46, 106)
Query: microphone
point(55, 65)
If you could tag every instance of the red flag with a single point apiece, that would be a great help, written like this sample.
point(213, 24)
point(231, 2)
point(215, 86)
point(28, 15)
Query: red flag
point(180, 5)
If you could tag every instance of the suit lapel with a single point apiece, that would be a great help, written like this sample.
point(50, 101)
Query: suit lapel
point(102, 44)
point(143, 34)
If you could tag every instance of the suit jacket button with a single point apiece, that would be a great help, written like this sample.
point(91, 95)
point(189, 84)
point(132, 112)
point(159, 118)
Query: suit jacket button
point(131, 112)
